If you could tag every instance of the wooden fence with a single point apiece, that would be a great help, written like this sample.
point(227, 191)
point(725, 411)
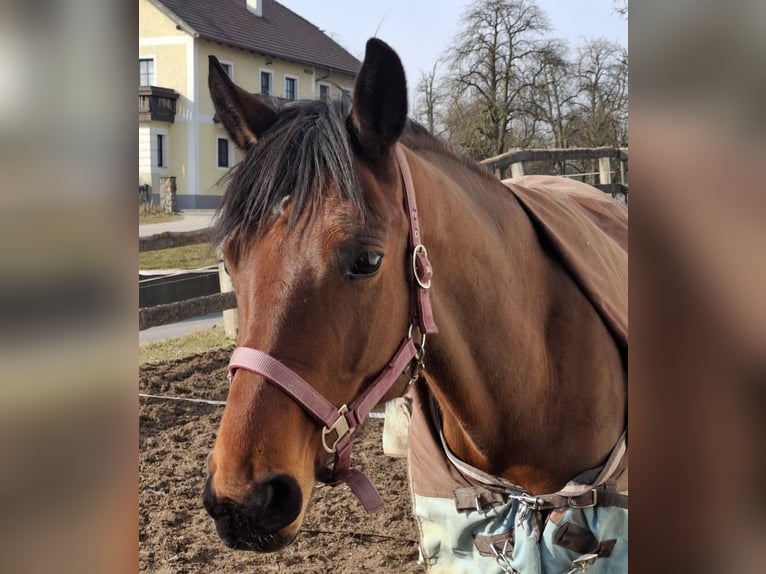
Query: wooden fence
point(226, 300)
point(170, 239)
point(604, 155)
point(182, 310)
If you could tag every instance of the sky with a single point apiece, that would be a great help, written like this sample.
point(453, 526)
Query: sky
point(421, 30)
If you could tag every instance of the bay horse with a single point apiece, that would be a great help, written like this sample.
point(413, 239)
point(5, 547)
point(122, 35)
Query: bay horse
point(350, 237)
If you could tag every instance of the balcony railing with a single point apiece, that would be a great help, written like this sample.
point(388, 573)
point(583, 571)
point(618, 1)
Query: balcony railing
point(157, 104)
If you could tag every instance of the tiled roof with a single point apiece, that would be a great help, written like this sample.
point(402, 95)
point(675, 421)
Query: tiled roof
point(279, 32)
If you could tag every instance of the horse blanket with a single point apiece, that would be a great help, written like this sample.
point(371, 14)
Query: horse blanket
point(473, 523)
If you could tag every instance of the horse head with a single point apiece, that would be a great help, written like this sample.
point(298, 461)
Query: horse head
point(314, 237)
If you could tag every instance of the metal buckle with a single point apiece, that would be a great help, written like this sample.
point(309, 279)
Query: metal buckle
point(501, 557)
point(419, 248)
point(582, 563)
point(417, 364)
point(572, 501)
point(531, 502)
point(340, 426)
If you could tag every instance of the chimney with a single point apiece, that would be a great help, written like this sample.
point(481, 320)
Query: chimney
point(255, 6)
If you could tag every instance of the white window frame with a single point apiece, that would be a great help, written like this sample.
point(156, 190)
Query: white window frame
point(231, 67)
point(165, 149)
point(230, 152)
point(297, 86)
point(154, 61)
point(346, 105)
point(271, 81)
point(329, 89)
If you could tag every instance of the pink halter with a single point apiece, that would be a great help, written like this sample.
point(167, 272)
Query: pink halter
point(340, 423)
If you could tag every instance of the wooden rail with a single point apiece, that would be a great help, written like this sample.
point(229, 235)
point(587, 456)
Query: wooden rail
point(554, 154)
point(182, 310)
point(604, 155)
point(175, 239)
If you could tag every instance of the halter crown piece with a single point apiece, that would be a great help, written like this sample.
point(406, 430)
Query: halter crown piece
point(340, 423)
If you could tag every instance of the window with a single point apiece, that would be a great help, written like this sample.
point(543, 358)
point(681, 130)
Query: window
point(324, 92)
point(161, 151)
point(291, 85)
point(146, 72)
point(223, 152)
point(345, 96)
point(227, 69)
point(266, 83)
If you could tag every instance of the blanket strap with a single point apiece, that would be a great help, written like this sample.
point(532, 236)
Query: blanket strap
point(479, 499)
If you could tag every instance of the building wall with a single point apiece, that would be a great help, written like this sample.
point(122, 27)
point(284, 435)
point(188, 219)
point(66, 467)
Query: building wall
point(246, 73)
point(181, 64)
point(153, 23)
point(148, 170)
point(172, 51)
point(144, 156)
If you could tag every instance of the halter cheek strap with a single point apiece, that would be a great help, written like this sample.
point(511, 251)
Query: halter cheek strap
point(340, 423)
point(421, 266)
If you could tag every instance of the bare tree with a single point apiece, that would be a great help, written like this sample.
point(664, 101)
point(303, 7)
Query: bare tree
point(602, 78)
point(510, 85)
point(551, 97)
point(429, 99)
point(493, 61)
point(621, 7)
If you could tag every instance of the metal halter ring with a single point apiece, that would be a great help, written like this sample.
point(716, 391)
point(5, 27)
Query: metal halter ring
point(421, 347)
point(417, 364)
point(419, 248)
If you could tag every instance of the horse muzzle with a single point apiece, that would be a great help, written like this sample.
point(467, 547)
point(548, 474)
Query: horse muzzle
point(263, 520)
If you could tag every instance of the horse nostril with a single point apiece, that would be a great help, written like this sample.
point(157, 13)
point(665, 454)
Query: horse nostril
point(275, 502)
point(252, 523)
point(214, 506)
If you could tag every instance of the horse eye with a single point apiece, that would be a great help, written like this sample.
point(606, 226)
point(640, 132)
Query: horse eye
point(366, 265)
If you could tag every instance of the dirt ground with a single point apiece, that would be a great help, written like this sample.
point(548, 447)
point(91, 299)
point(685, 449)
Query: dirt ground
point(177, 536)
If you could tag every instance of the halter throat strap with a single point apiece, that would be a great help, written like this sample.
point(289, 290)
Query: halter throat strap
point(340, 423)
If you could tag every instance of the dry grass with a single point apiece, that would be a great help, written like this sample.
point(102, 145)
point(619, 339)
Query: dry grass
point(181, 347)
point(188, 257)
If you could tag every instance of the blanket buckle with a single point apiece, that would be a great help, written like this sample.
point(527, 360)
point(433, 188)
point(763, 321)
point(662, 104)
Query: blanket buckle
point(582, 563)
point(573, 502)
point(531, 502)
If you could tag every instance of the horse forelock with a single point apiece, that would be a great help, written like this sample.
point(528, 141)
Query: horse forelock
point(302, 159)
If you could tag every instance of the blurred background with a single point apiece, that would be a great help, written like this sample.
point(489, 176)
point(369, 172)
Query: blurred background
point(67, 287)
point(698, 274)
point(68, 257)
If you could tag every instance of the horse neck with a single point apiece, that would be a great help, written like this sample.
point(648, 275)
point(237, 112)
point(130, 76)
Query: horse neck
point(518, 399)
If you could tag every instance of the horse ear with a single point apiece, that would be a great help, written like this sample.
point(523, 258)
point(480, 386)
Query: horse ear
point(379, 108)
point(244, 115)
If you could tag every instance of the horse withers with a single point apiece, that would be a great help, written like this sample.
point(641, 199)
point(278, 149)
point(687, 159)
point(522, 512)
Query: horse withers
point(357, 243)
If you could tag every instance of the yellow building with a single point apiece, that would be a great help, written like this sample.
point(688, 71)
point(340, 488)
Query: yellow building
point(265, 47)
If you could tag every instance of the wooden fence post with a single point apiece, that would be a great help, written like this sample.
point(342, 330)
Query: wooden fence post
point(622, 172)
point(604, 171)
point(517, 169)
point(168, 194)
point(230, 316)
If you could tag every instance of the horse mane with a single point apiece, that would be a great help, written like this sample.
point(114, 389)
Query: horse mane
point(305, 153)
point(418, 138)
point(302, 155)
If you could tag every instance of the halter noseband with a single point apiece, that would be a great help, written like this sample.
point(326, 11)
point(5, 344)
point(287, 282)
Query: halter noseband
point(340, 423)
